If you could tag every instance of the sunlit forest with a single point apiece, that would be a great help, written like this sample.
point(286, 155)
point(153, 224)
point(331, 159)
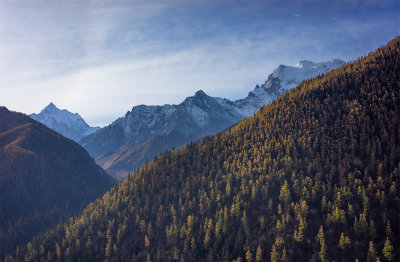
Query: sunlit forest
point(314, 176)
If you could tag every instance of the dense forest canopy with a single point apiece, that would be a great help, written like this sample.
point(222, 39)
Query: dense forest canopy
point(312, 176)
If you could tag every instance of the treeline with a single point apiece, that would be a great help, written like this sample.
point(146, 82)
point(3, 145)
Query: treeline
point(312, 177)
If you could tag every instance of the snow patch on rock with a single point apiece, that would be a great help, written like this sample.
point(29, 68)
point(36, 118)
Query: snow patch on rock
point(70, 125)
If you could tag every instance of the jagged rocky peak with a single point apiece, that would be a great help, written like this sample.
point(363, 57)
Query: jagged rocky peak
point(305, 63)
point(200, 93)
point(54, 110)
point(291, 76)
point(70, 125)
point(282, 79)
point(50, 107)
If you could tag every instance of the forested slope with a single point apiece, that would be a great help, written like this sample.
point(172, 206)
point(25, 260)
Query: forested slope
point(44, 178)
point(312, 176)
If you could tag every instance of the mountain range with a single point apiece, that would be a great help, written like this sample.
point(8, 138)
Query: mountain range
point(146, 131)
point(44, 178)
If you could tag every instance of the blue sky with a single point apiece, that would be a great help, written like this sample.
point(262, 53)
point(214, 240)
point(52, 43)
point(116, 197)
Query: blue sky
point(100, 58)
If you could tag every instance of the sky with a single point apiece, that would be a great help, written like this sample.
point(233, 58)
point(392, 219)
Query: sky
point(101, 58)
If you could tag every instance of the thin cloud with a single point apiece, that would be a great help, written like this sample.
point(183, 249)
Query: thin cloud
point(101, 58)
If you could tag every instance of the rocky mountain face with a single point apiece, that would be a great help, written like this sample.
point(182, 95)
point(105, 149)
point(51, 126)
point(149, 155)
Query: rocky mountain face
point(282, 79)
point(145, 131)
point(68, 124)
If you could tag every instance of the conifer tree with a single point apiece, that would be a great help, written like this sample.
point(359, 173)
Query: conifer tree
point(284, 194)
point(284, 256)
point(274, 254)
point(344, 241)
point(146, 241)
point(249, 256)
point(323, 250)
point(389, 232)
point(371, 256)
point(58, 250)
point(148, 258)
point(388, 250)
point(298, 234)
point(259, 254)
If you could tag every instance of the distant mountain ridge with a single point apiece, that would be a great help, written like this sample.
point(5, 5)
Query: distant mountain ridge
point(141, 134)
point(68, 124)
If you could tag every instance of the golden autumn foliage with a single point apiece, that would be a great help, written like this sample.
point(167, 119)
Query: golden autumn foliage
point(311, 162)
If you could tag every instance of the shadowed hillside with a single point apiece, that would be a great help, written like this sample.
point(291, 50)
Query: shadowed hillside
point(44, 178)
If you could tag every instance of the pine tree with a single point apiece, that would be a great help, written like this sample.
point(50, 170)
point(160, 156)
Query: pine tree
point(42, 251)
point(298, 234)
point(148, 258)
point(284, 256)
point(388, 250)
point(146, 241)
point(357, 227)
point(344, 241)
point(323, 251)
point(274, 254)
point(249, 256)
point(245, 223)
point(108, 250)
point(259, 254)
point(371, 256)
point(389, 232)
point(284, 194)
point(58, 250)
point(8, 259)
point(372, 230)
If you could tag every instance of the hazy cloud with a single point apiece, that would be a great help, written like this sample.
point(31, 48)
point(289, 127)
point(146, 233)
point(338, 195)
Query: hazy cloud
point(100, 58)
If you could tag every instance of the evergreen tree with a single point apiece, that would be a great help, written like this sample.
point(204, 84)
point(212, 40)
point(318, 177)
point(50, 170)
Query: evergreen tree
point(388, 250)
point(249, 256)
point(284, 256)
point(259, 254)
point(371, 257)
point(344, 241)
point(323, 249)
point(274, 254)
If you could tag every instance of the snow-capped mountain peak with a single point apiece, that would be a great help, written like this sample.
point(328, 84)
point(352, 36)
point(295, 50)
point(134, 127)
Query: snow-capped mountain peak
point(53, 111)
point(305, 63)
point(200, 93)
point(282, 79)
point(50, 107)
point(291, 76)
point(70, 125)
